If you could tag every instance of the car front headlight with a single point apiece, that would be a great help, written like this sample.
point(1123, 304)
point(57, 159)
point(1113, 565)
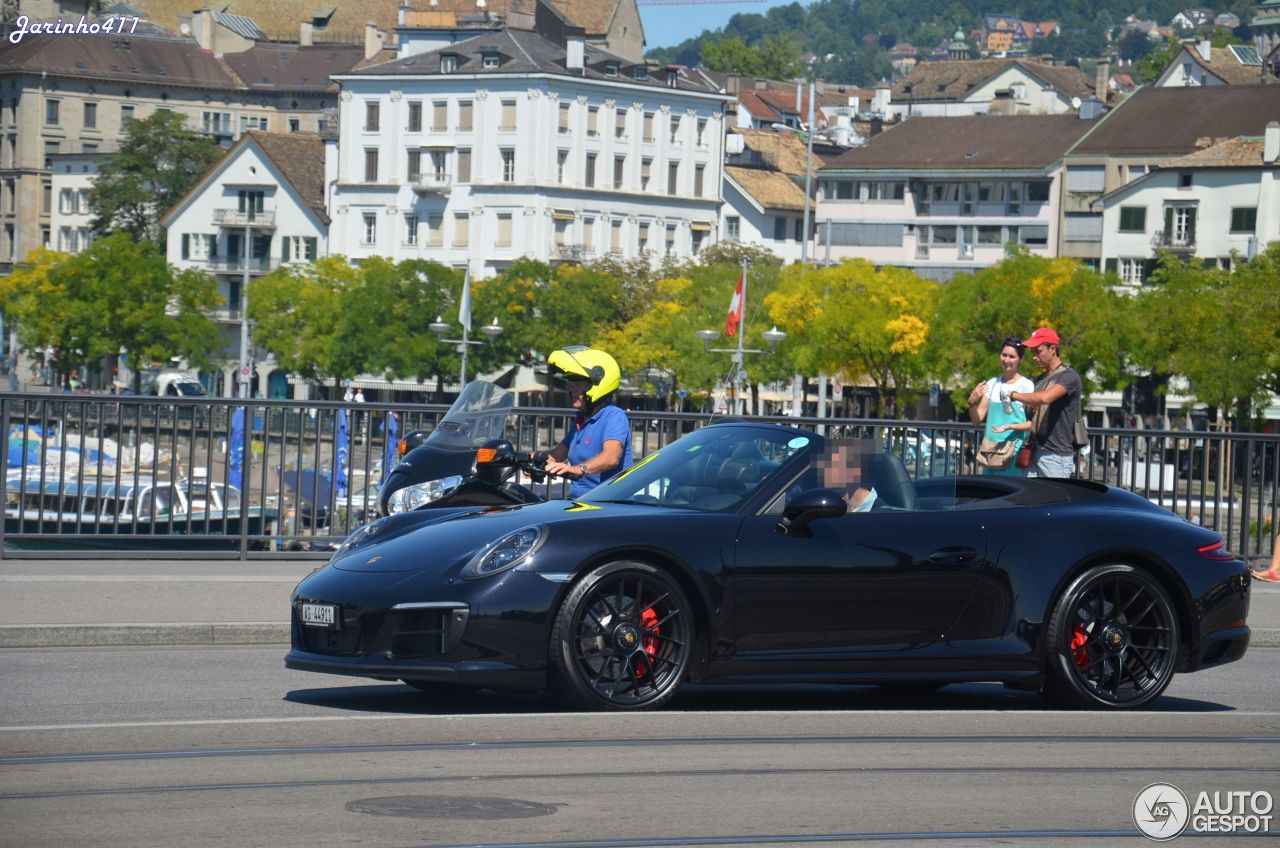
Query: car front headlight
point(419, 494)
point(508, 552)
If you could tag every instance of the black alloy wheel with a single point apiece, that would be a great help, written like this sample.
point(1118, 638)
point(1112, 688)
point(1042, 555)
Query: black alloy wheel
point(1112, 641)
point(622, 639)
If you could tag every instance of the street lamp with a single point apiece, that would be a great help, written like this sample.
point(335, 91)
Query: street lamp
point(492, 330)
point(772, 336)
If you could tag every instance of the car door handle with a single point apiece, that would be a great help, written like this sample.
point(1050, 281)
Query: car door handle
point(953, 556)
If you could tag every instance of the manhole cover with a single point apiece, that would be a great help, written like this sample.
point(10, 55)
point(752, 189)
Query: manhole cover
point(448, 807)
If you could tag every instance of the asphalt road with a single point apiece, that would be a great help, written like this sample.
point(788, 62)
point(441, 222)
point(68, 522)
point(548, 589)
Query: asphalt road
point(223, 746)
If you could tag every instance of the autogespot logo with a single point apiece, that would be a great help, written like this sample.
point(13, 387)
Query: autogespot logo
point(1161, 812)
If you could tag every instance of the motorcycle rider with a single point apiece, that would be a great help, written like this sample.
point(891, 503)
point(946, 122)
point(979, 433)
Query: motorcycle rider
point(598, 446)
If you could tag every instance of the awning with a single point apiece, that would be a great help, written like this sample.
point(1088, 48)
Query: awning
point(563, 214)
point(700, 227)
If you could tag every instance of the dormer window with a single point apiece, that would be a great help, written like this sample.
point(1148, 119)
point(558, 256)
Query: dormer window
point(673, 77)
point(448, 63)
point(491, 60)
point(641, 72)
point(611, 69)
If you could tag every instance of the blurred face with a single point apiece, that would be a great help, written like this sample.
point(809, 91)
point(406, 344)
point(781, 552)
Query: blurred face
point(841, 471)
point(577, 393)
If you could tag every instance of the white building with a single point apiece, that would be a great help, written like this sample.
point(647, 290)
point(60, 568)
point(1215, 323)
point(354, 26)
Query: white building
point(764, 178)
point(1211, 204)
point(260, 205)
point(521, 143)
point(977, 86)
point(70, 218)
point(1203, 64)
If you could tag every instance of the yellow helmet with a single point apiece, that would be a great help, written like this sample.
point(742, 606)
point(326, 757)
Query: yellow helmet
point(579, 362)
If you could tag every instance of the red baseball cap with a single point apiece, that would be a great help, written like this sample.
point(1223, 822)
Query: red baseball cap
point(1044, 335)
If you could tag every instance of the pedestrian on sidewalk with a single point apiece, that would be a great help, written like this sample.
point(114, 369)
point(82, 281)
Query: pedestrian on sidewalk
point(1271, 573)
point(1057, 406)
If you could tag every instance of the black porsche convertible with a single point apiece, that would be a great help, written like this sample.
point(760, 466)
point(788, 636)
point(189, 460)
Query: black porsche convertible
point(749, 552)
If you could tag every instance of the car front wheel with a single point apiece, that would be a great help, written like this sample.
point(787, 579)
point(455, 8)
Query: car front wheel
point(1112, 641)
point(622, 639)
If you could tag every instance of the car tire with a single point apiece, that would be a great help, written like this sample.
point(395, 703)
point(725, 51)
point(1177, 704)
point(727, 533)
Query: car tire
point(1112, 641)
point(622, 639)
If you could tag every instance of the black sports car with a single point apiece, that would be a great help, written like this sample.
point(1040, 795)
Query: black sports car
point(751, 552)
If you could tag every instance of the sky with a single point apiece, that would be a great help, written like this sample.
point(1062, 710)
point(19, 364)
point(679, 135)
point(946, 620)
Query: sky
point(668, 25)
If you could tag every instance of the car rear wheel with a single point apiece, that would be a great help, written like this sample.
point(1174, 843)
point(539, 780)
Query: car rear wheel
point(1112, 641)
point(622, 639)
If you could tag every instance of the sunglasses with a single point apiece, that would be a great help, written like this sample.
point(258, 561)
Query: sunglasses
point(1016, 344)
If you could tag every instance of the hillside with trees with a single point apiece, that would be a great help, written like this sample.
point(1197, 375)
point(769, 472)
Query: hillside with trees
point(851, 38)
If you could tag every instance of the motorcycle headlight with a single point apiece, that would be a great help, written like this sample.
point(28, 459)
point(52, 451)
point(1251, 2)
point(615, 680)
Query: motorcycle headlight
point(508, 552)
point(412, 497)
point(358, 536)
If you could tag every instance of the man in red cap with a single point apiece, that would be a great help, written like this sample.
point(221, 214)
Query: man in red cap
point(1057, 406)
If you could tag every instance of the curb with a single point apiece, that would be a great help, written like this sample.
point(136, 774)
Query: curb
point(236, 633)
point(142, 635)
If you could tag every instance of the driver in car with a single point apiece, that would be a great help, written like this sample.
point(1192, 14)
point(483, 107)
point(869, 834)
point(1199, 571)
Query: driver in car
point(598, 445)
point(841, 469)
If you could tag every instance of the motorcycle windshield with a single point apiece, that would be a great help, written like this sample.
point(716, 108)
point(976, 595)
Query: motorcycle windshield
point(478, 415)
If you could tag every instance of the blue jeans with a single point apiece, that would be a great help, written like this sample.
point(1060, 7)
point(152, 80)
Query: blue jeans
point(1045, 464)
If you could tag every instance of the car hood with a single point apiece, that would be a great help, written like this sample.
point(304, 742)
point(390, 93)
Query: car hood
point(426, 539)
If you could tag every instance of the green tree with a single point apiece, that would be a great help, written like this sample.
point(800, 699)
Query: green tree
point(389, 314)
point(1151, 66)
point(297, 311)
point(158, 161)
point(116, 294)
point(775, 57)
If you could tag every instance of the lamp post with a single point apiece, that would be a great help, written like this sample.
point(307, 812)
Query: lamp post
point(492, 330)
point(772, 336)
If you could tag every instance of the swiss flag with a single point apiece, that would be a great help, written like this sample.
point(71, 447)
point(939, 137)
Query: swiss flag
point(736, 306)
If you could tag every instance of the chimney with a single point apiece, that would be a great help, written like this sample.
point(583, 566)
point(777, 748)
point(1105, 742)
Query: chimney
point(1101, 78)
point(1271, 143)
point(373, 38)
point(575, 55)
point(1203, 47)
point(884, 96)
point(306, 34)
point(762, 84)
point(202, 28)
point(732, 84)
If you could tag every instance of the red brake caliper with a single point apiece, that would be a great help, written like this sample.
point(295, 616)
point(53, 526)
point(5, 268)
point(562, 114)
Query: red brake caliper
point(649, 619)
point(1079, 653)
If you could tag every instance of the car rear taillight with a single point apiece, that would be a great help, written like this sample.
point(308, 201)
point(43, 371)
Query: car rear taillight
point(1217, 552)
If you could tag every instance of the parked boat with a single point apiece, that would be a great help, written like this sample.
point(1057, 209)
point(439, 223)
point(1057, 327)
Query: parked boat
point(71, 514)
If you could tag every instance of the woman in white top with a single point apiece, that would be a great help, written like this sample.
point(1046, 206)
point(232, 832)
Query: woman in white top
point(1006, 421)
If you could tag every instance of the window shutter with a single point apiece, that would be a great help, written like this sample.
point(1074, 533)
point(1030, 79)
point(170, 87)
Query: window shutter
point(284, 248)
point(310, 242)
point(1148, 267)
point(186, 246)
point(1168, 223)
point(1191, 225)
point(1112, 266)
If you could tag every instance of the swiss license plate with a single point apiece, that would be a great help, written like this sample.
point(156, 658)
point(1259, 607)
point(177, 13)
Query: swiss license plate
point(319, 615)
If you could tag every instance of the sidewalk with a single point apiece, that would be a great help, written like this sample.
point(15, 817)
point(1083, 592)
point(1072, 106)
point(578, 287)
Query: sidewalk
point(76, 603)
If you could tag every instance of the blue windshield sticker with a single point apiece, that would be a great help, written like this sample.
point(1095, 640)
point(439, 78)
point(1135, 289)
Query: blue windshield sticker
point(798, 442)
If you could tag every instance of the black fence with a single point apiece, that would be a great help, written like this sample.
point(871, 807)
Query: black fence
point(98, 475)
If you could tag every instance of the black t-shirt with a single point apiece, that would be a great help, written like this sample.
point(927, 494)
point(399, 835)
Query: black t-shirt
point(1056, 433)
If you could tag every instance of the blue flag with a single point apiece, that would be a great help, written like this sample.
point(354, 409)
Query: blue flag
point(236, 449)
point(340, 451)
point(393, 444)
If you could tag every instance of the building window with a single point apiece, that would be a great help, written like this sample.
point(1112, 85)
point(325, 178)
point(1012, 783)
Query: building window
point(1244, 219)
point(216, 123)
point(415, 166)
point(90, 116)
point(1180, 225)
point(371, 165)
point(440, 116)
point(620, 123)
point(646, 171)
point(564, 117)
point(615, 237)
point(591, 171)
point(415, 116)
point(435, 230)
point(126, 114)
point(410, 230)
point(611, 69)
point(942, 235)
point(673, 177)
point(464, 116)
point(52, 109)
point(491, 60)
point(253, 122)
point(619, 171)
point(46, 199)
point(1133, 219)
point(1038, 192)
point(732, 228)
point(562, 167)
point(671, 239)
point(370, 235)
point(1131, 271)
point(589, 235)
point(648, 127)
point(643, 241)
point(593, 121)
point(640, 72)
point(508, 123)
point(51, 149)
point(697, 237)
point(699, 172)
point(448, 63)
point(702, 132)
point(250, 202)
point(1184, 180)
point(371, 116)
point(295, 125)
point(508, 164)
point(990, 235)
point(439, 165)
point(504, 230)
point(464, 165)
point(461, 229)
point(67, 199)
point(675, 129)
point(779, 229)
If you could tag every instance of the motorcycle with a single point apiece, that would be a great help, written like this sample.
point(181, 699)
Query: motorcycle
point(465, 461)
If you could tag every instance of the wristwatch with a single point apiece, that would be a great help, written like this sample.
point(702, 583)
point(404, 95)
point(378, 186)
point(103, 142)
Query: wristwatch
point(582, 469)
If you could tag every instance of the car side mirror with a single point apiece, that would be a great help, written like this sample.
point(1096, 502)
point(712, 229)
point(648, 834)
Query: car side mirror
point(809, 506)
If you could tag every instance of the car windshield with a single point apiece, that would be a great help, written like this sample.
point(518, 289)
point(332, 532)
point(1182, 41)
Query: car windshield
point(714, 469)
point(478, 415)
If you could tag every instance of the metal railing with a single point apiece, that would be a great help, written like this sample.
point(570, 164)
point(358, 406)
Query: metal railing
point(98, 474)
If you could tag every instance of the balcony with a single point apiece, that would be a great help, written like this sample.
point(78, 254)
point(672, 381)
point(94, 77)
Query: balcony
point(238, 218)
point(572, 252)
point(435, 182)
point(236, 265)
point(1179, 243)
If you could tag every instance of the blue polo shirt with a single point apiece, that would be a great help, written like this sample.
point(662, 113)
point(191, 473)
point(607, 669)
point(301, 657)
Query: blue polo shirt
point(586, 440)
